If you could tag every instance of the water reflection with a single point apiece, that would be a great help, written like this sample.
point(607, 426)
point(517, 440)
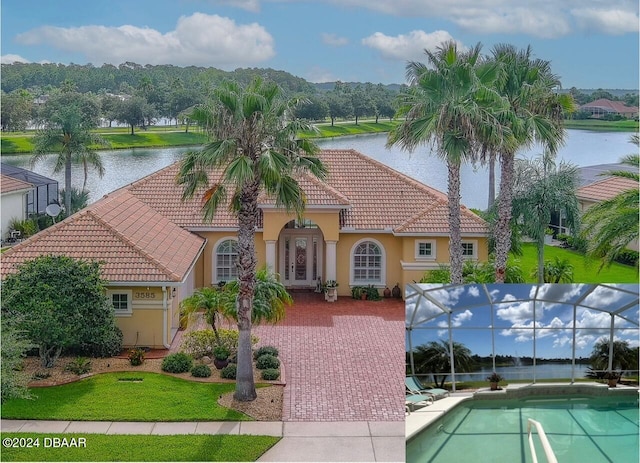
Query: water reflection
point(125, 166)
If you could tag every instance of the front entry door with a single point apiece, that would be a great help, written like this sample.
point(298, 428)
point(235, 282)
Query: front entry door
point(300, 259)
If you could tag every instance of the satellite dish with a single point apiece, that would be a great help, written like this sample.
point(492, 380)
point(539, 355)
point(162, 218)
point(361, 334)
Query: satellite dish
point(53, 210)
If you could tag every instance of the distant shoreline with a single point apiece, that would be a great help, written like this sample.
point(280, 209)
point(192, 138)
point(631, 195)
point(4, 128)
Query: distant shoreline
point(168, 136)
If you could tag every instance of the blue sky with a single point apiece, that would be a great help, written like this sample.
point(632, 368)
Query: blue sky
point(514, 317)
point(591, 43)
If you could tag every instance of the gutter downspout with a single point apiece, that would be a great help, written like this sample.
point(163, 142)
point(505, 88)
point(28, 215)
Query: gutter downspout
point(165, 310)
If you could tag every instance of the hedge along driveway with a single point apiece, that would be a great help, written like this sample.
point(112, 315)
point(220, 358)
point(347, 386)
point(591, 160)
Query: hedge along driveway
point(106, 398)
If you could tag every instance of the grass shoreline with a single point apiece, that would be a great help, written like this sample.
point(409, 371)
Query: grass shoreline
point(169, 137)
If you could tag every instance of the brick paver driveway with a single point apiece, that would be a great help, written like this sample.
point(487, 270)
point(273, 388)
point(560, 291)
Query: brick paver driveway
point(344, 361)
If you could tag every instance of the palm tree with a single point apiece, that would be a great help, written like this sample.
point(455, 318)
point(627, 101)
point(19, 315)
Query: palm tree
point(69, 117)
point(534, 114)
point(434, 358)
point(624, 357)
point(541, 189)
point(448, 105)
point(556, 271)
point(269, 302)
point(612, 224)
point(211, 301)
point(253, 147)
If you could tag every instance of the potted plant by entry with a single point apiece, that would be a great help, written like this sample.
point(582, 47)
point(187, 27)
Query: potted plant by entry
point(494, 378)
point(331, 290)
point(612, 378)
point(221, 357)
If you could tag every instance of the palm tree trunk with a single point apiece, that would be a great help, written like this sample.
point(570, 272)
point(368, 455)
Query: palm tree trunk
point(492, 181)
point(502, 230)
point(67, 184)
point(247, 220)
point(541, 258)
point(455, 240)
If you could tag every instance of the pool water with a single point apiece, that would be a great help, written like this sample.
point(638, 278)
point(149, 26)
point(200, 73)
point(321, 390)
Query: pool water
point(579, 429)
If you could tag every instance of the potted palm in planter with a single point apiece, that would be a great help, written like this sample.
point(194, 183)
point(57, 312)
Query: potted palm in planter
point(494, 378)
point(221, 357)
point(612, 378)
point(331, 290)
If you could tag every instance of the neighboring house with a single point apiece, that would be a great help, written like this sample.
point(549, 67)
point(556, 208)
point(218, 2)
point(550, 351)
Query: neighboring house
point(601, 107)
point(14, 203)
point(44, 192)
point(366, 224)
point(603, 190)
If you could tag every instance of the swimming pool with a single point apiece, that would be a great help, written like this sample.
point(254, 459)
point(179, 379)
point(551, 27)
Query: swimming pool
point(580, 429)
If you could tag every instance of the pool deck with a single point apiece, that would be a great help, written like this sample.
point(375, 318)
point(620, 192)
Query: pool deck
point(423, 417)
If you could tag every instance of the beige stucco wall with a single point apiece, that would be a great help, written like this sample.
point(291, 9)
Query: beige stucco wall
point(144, 326)
point(13, 206)
point(327, 221)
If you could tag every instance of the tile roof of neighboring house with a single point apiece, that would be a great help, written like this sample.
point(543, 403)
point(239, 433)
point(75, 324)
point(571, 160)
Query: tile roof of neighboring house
point(373, 196)
point(10, 184)
point(135, 243)
point(610, 106)
point(606, 189)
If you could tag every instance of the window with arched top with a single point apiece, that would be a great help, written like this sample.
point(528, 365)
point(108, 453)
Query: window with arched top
point(226, 257)
point(368, 263)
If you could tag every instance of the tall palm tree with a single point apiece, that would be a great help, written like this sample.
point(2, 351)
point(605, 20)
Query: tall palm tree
point(434, 358)
point(68, 120)
point(448, 104)
point(534, 115)
point(611, 225)
point(541, 189)
point(254, 147)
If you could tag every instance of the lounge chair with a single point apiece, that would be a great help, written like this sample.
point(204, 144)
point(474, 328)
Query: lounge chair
point(413, 401)
point(414, 387)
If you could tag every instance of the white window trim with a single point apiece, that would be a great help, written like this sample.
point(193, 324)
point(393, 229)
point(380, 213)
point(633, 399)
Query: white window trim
point(418, 257)
point(129, 293)
point(474, 256)
point(383, 265)
point(214, 252)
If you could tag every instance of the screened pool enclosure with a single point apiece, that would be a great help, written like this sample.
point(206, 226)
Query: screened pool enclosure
point(522, 331)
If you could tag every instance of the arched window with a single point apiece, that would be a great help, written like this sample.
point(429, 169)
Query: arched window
point(225, 261)
point(368, 263)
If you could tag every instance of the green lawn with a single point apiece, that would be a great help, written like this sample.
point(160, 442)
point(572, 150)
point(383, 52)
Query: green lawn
point(143, 448)
point(604, 126)
point(584, 271)
point(104, 398)
point(15, 144)
point(326, 130)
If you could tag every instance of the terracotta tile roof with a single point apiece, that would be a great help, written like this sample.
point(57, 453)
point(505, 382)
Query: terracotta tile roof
point(606, 189)
point(373, 196)
point(10, 184)
point(610, 106)
point(135, 243)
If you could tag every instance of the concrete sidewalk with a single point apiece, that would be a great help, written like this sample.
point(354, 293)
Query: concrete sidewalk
point(301, 441)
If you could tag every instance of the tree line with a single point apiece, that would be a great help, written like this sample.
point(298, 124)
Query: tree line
point(137, 95)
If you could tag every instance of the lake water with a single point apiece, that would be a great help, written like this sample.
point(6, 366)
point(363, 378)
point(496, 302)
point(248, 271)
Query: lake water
point(122, 167)
point(545, 371)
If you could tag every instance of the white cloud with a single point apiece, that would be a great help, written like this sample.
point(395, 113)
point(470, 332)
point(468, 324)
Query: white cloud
point(538, 18)
point(248, 5)
point(406, 47)
point(334, 40)
point(474, 291)
point(10, 59)
point(517, 312)
point(609, 21)
point(199, 39)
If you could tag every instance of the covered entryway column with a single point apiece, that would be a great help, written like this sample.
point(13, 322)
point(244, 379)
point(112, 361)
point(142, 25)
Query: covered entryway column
point(330, 259)
point(270, 256)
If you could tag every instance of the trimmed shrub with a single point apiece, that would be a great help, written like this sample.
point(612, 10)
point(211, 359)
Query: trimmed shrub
point(229, 372)
point(267, 361)
point(203, 342)
point(136, 356)
point(270, 374)
point(627, 257)
point(201, 371)
point(177, 363)
point(79, 366)
point(265, 350)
